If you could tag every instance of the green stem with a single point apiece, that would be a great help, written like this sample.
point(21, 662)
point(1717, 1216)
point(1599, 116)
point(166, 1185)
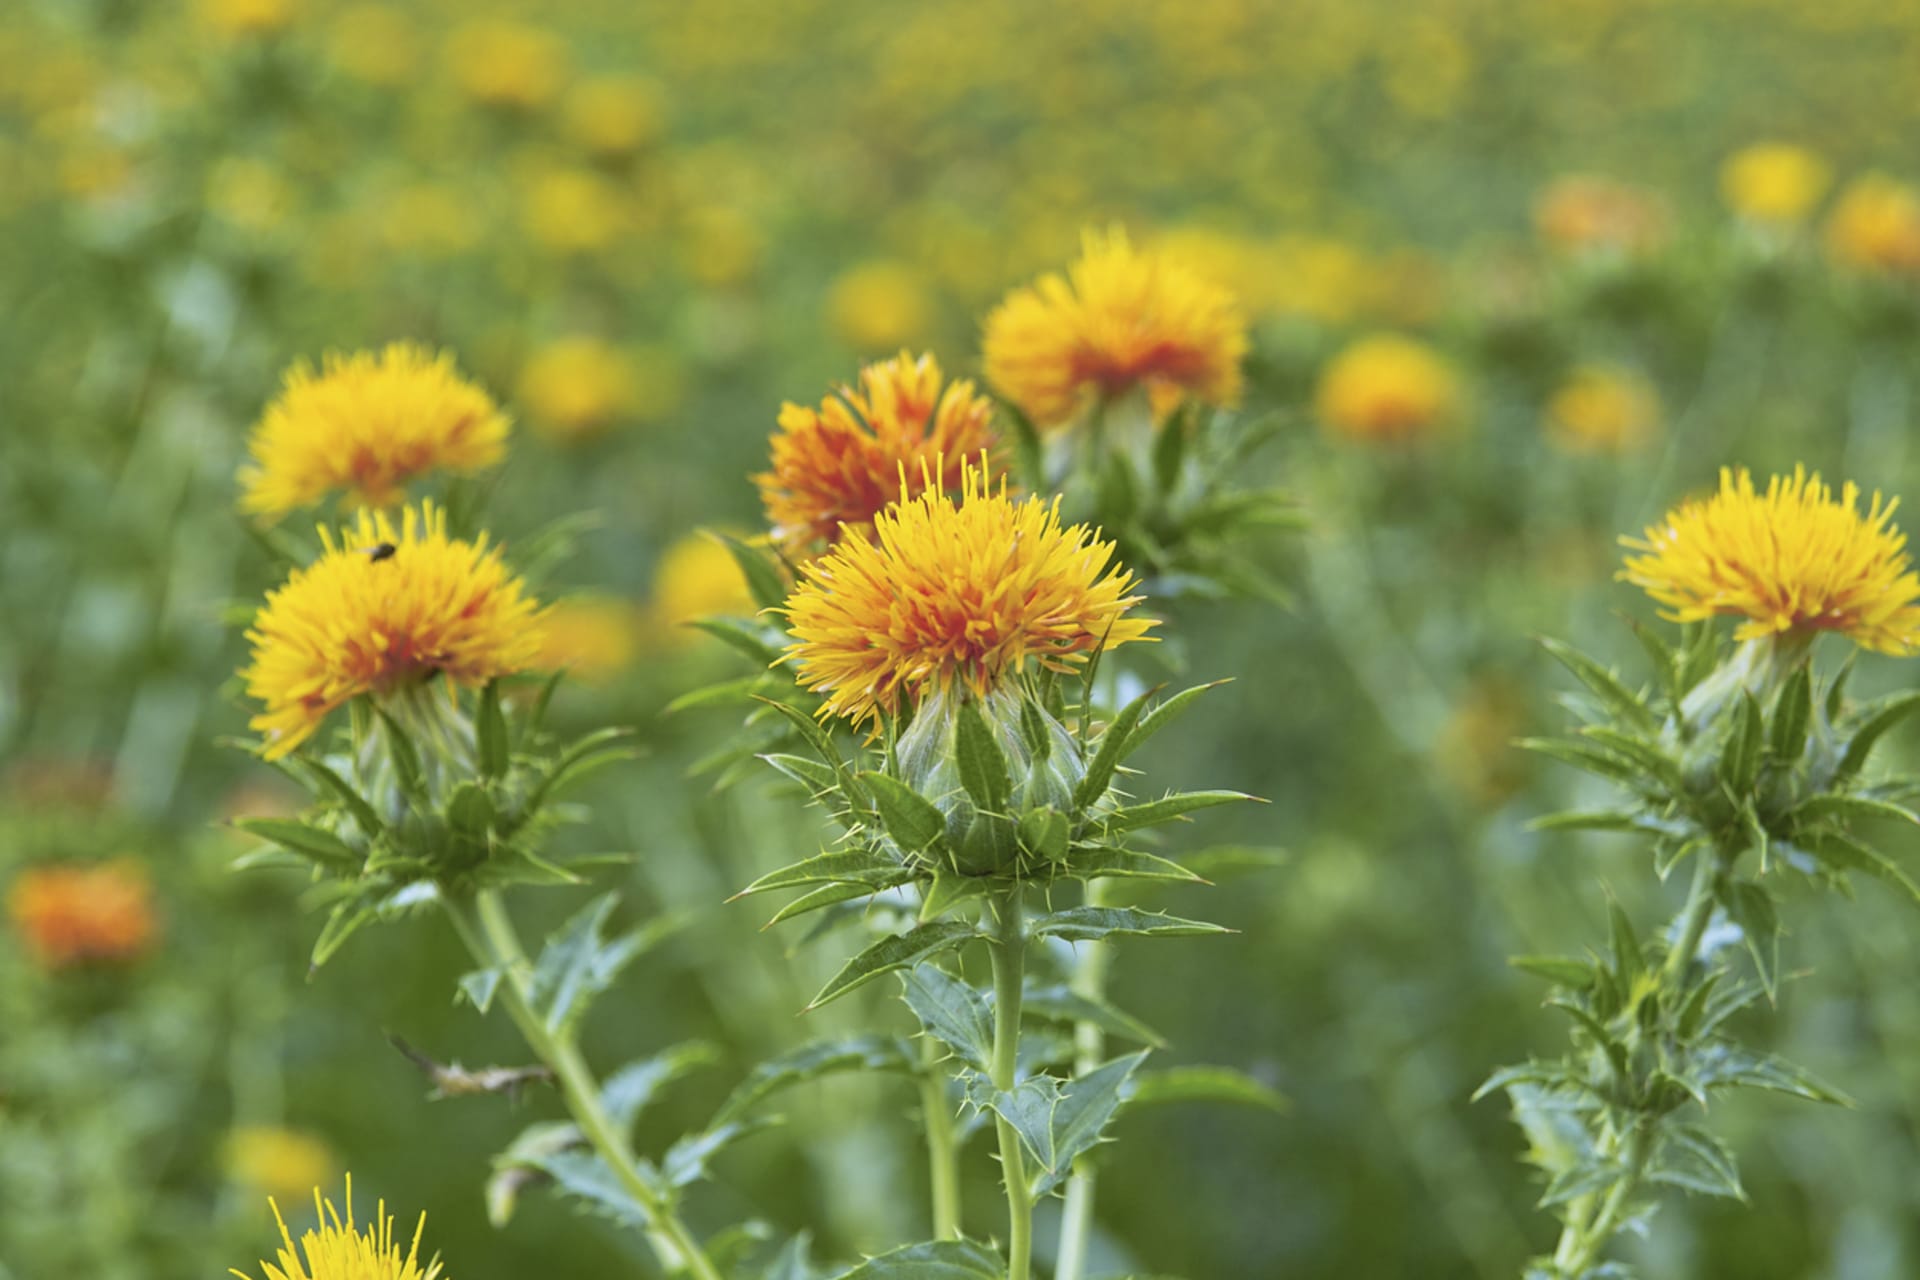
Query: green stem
point(485, 927)
point(1693, 918)
point(1581, 1246)
point(1089, 980)
point(1009, 947)
point(943, 1153)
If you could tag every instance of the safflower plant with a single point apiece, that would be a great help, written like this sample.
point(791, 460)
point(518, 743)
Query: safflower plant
point(1747, 766)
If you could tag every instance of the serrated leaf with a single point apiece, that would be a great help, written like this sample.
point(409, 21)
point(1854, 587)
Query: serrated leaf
point(808, 773)
point(1740, 754)
point(330, 781)
point(1691, 1158)
point(1723, 1066)
point(1751, 907)
point(1589, 1177)
point(827, 895)
point(342, 923)
point(1045, 832)
point(685, 1162)
point(628, 1091)
point(586, 1177)
point(479, 987)
point(1125, 864)
point(896, 952)
point(910, 818)
point(1623, 701)
point(1848, 807)
point(867, 867)
point(1585, 756)
point(948, 890)
point(576, 965)
point(1107, 756)
point(940, 1260)
point(1063, 1004)
point(977, 758)
point(1089, 924)
point(403, 754)
point(519, 1164)
point(810, 1062)
point(1080, 1115)
point(1166, 809)
point(1845, 853)
point(1874, 725)
point(1628, 961)
point(1550, 1074)
point(1202, 1084)
point(951, 1011)
point(311, 842)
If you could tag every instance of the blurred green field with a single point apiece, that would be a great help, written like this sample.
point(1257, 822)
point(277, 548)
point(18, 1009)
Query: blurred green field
point(644, 227)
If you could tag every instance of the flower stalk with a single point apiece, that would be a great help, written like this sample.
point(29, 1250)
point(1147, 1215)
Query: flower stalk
point(484, 925)
point(943, 1152)
point(1089, 1044)
point(1009, 949)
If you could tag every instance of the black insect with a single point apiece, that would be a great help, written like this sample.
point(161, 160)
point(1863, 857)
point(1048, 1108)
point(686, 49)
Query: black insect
point(379, 552)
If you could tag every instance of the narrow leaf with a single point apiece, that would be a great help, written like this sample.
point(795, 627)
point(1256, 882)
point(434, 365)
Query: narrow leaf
point(896, 952)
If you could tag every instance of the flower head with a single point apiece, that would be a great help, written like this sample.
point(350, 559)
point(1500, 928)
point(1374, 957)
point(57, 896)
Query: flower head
point(576, 387)
point(696, 577)
point(381, 608)
point(1791, 559)
point(1119, 318)
point(275, 1160)
point(1387, 389)
point(69, 915)
point(878, 306)
point(613, 116)
point(1774, 182)
point(836, 467)
point(337, 1249)
point(368, 424)
point(592, 638)
point(1590, 215)
point(505, 64)
point(246, 19)
point(1603, 410)
point(1875, 226)
point(955, 592)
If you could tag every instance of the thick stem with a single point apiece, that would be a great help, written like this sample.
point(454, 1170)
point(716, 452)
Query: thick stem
point(1009, 947)
point(943, 1153)
point(485, 927)
point(1693, 917)
point(1089, 980)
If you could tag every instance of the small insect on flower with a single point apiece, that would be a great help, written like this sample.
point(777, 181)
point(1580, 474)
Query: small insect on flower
point(1118, 319)
point(336, 1249)
point(948, 592)
point(1789, 560)
point(382, 609)
point(368, 425)
point(836, 467)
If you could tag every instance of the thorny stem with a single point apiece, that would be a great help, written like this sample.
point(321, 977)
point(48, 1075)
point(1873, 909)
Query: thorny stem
point(1590, 1227)
point(1089, 980)
point(943, 1153)
point(1009, 948)
point(485, 927)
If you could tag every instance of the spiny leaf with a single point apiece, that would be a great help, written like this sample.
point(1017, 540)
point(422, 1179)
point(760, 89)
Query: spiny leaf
point(1088, 924)
point(1081, 1115)
point(1623, 701)
point(1066, 1005)
point(910, 817)
point(1112, 749)
point(628, 1091)
point(1751, 907)
point(848, 866)
point(1691, 1158)
point(1561, 970)
point(323, 774)
point(936, 1260)
point(1848, 854)
point(951, 1011)
point(490, 732)
point(1166, 809)
point(981, 764)
point(1740, 756)
point(897, 952)
point(320, 845)
point(764, 582)
point(1792, 714)
point(1878, 720)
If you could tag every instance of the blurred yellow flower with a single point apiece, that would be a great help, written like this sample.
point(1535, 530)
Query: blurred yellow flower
point(879, 306)
point(240, 19)
point(428, 219)
point(573, 211)
point(385, 610)
point(507, 64)
point(1774, 182)
point(1591, 215)
point(1386, 389)
point(375, 43)
point(1474, 749)
point(69, 915)
point(277, 1161)
point(576, 387)
point(336, 1249)
point(1789, 560)
point(249, 194)
point(947, 592)
point(1119, 319)
point(1602, 409)
point(368, 425)
point(696, 577)
point(722, 246)
point(593, 639)
point(1875, 226)
point(613, 116)
point(901, 428)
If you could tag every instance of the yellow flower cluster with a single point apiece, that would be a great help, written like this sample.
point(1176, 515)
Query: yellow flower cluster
point(337, 1249)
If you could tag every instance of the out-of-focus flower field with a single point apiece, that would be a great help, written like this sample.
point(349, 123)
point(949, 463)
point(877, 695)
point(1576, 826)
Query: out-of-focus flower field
point(1519, 276)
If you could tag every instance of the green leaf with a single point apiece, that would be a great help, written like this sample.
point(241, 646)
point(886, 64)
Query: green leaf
point(685, 1162)
point(793, 1262)
point(1063, 1004)
point(1589, 1177)
point(1623, 701)
point(1628, 961)
point(1845, 807)
point(1170, 449)
point(981, 764)
point(511, 1168)
point(1089, 924)
point(951, 1011)
point(813, 775)
point(1792, 715)
point(1878, 719)
point(1585, 756)
point(868, 867)
point(1723, 1066)
point(404, 755)
point(589, 1179)
point(628, 1091)
point(897, 952)
point(765, 583)
point(1691, 1158)
point(1124, 864)
point(1740, 755)
point(910, 817)
point(1652, 761)
point(1203, 1084)
point(490, 732)
point(1587, 820)
point(1848, 854)
point(810, 1062)
point(751, 641)
point(578, 760)
point(827, 896)
point(1045, 833)
point(311, 842)
point(1107, 756)
point(342, 923)
point(948, 890)
point(328, 780)
point(1751, 907)
point(576, 965)
point(1562, 971)
point(479, 987)
point(1080, 1116)
point(941, 1260)
point(1166, 809)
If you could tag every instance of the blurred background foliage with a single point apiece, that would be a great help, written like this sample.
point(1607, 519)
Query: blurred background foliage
point(1519, 281)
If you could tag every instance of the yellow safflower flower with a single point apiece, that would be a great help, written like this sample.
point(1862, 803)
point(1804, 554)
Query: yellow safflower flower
point(1600, 409)
point(1118, 319)
point(278, 1161)
point(336, 1249)
point(498, 63)
point(576, 387)
point(1875, 226)
point(385, 609)
point(1789, 560)
point(1387, 389)
point(696, 577)
point(1774, 182)
point(879, 306)
point(613, 116)
point(592, 639)
point(965, 591)
point(573, 211)
point(368, 425)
